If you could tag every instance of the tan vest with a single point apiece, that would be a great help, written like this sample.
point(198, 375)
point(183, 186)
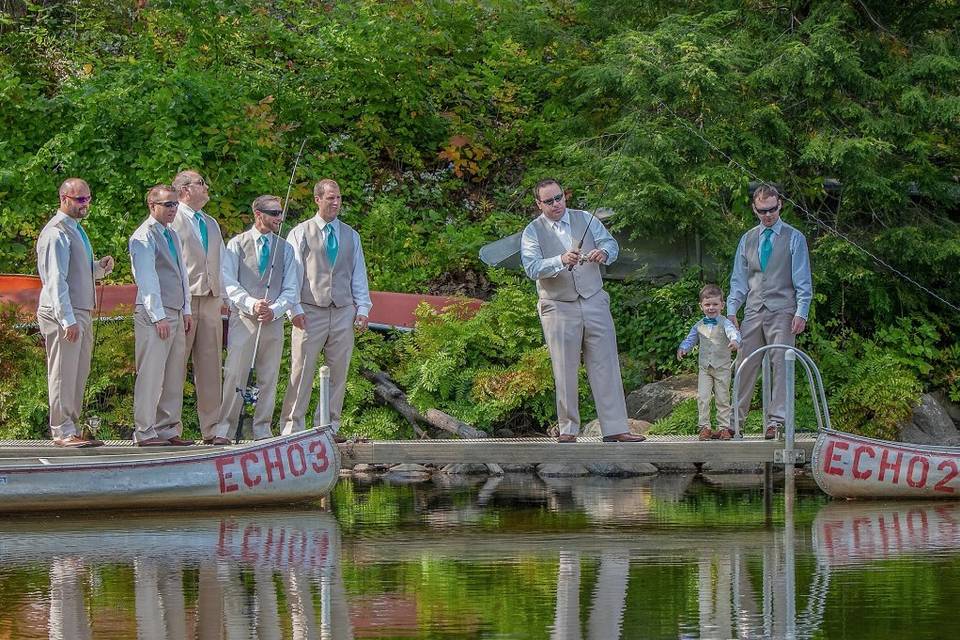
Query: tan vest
point(203, 267)
point(323, 286)
point(79, 270)
point(771, 289)
point(249, 268)
point(713, 345)
point(585, 279)
point(168, 270)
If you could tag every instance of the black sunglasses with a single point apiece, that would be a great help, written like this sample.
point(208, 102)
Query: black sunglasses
point(273, 213)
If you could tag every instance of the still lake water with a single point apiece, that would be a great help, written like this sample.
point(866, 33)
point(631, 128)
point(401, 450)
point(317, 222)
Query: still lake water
point(512, 557)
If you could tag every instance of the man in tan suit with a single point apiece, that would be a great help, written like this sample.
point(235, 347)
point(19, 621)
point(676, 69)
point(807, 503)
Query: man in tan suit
point(67, 270)
point(202, 253)
point(334, 298)
point(772, 281)
point(575, 310)
point(161, 319)
point(261, 280)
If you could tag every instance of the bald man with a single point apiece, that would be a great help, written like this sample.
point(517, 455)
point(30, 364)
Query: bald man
point(68, 271)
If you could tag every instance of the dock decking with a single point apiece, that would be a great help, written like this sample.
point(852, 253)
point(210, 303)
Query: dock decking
point(657, 449)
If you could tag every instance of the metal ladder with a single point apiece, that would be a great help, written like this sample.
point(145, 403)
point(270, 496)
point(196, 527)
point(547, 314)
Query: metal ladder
point(789, 454)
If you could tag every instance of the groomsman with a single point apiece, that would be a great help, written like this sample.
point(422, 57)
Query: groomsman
point(67, 270)
point(161, 318)
point(260, 279)
point(334, 298)
point(202, 250)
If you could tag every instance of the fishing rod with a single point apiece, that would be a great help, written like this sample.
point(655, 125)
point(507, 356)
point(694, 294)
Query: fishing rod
point(251, 392)
point(593, 217)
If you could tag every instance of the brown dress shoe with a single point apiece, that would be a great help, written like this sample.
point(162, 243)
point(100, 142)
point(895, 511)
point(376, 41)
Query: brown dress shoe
point(339, 439)
point(177, 441)
point(154, 442)
point(566, 438)
point(770, 433)
point(217, 441)
point(705, 434)
point(624, 437)
point(76, 442)
point(725, 434)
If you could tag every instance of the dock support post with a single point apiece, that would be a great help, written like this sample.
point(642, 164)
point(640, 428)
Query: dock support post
point(324, 408)
point(789, 493)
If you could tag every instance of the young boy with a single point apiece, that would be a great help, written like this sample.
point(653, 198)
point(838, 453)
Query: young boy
point(717, 338)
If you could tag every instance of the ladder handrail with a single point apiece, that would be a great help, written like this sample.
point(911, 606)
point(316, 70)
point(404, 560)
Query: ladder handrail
point(814, 380)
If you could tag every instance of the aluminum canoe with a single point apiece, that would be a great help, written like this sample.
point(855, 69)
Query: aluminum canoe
point(851, 466)
point(296, 468)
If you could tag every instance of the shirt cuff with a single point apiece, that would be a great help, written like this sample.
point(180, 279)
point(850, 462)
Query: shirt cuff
point(363, 311)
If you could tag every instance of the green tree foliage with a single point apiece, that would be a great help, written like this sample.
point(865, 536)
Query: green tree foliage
point(437, 117)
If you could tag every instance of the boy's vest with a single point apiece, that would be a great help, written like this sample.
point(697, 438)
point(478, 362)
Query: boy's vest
point(713, 345)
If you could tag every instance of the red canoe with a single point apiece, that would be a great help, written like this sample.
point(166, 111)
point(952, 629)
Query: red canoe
point(390, 310)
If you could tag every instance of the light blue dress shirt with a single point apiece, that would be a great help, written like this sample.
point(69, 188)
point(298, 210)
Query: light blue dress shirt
point(537, 266)
point(360, 288)
point(239, 298)
point(800, 267)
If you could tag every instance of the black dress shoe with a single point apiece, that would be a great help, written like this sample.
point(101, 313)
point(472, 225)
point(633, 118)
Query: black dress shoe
point(566, 438)
point(624, 437)
point(177, 441)
point(154, 442)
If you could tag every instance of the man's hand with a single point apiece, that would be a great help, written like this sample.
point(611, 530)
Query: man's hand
point(300, 321)
point(163, 328)
point(361, 323)
point(72, 333)
point(187, 323)
point(733, 319)
point(597, 255)
point(680, 354)
point(733, 346)
point(570, 258)
point(107, 264)
point(263, 311)
point(798, 325)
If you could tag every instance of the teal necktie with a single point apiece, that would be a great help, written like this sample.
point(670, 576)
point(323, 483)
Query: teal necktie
point(86, 242)
point(173, 247)
point(264, 254)
point(333, 246)
point(203, 228)
point(766, 248)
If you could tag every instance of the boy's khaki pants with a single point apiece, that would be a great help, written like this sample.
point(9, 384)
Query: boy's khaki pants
point(714, 381)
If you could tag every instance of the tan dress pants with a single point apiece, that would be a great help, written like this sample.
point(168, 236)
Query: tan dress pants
point(328, 329)
point(760, 329)
point(68, 366)
point(158, 390)
point(241, 340)
point(204, 345)
point(584, 329)
point(715, 382)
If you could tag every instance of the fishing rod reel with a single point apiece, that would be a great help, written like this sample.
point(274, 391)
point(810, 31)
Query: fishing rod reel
point(250, 394)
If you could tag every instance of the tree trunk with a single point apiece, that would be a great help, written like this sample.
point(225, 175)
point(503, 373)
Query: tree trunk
point(389, 393)
point(447, 422)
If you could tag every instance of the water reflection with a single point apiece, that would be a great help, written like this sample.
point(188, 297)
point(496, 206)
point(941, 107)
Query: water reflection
point(258, 575)
point(508, 557)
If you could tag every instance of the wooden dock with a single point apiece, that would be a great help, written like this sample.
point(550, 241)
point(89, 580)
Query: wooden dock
point(656, 450)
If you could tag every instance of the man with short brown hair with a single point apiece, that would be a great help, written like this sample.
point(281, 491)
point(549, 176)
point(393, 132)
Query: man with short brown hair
point(161, 319)
point(334, 298)
point(68, 271)
point(771, 279)
point(575, 310)
point(202, 253)
point(260, 278)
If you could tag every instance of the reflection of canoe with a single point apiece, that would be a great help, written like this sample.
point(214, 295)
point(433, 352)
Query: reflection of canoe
point(649, 259)
point(849, 466)
point(264, 538)
point(295, 468)
point(855, 532)
point(389, 309)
